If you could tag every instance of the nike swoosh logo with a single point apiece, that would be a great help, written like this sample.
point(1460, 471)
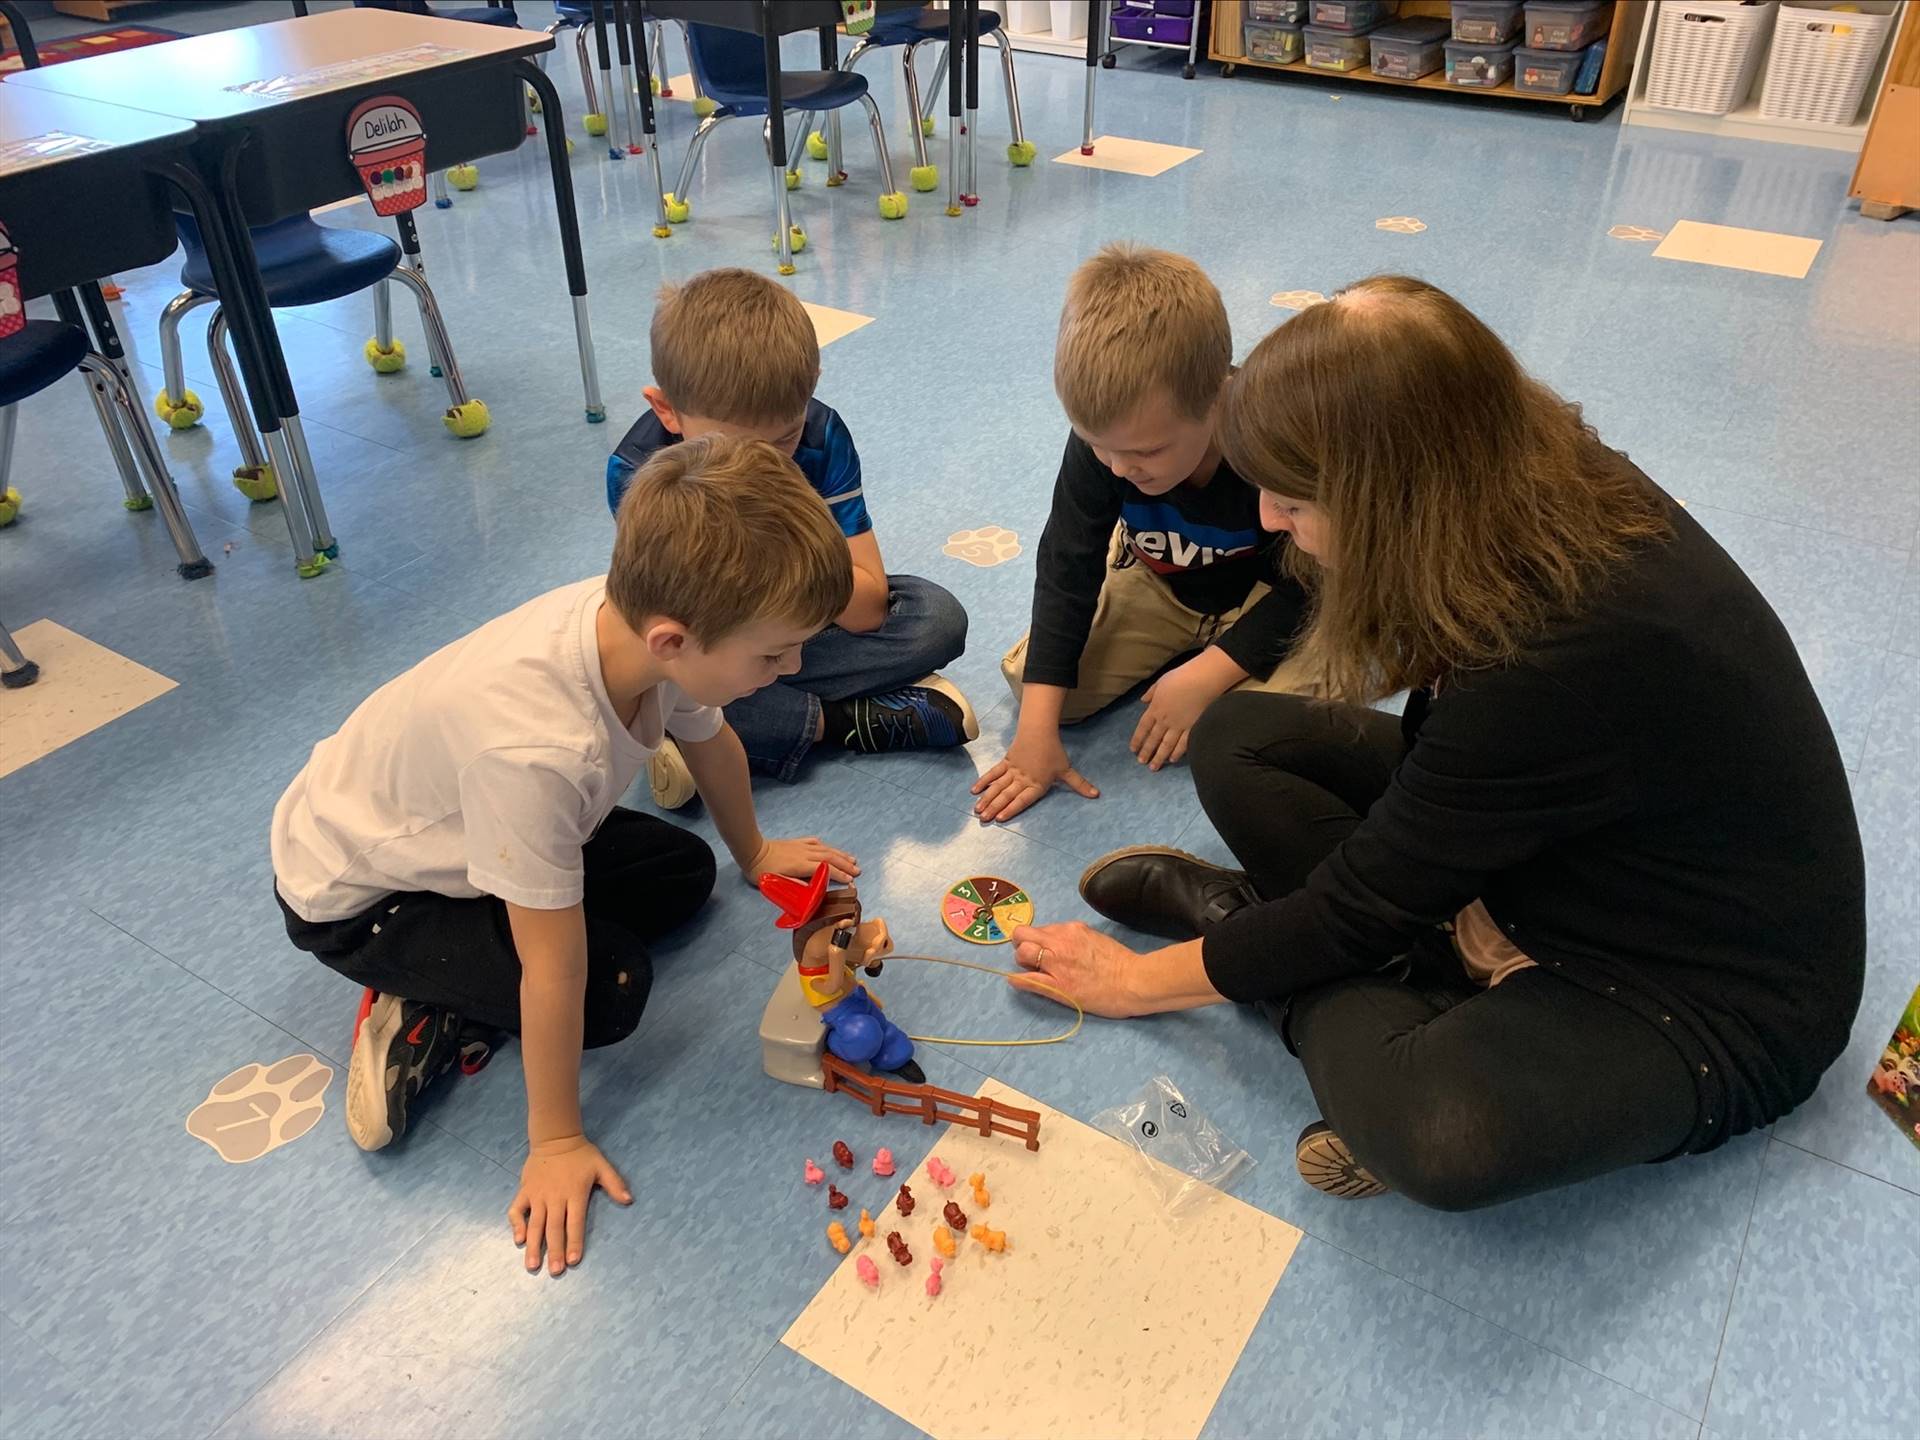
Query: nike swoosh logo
point(419, 1028)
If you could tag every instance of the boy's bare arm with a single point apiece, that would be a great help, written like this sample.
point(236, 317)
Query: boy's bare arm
point(867, 610)
point(562, 1166)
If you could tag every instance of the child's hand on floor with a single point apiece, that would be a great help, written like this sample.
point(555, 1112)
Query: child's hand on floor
point(1034, 765)
point(800, 858)
point(1174, 704)
point(556, 1182)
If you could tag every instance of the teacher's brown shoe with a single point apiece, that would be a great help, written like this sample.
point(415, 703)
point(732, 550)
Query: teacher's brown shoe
point(1163, 891)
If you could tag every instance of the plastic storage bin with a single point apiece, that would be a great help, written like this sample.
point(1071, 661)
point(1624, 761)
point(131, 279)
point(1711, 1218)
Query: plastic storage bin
point(1704, 55)
point(1569, 25)
point(1276, 44)
point(1480, 66)
point(1335, 50)
point(1352, 16)
point(1408, 49)
point(1487, 22)
point(1156, 22)
point(1821, 62)
point(1546, 72)
point(1278, 12)
point(1069, 19)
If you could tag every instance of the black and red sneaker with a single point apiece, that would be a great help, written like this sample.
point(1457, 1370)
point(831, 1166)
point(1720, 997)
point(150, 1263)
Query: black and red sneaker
point(399, 1048)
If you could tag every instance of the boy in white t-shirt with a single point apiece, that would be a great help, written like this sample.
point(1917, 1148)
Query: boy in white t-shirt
point(458, 848)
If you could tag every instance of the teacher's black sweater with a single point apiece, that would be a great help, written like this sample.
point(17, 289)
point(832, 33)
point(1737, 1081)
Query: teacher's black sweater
point(1650, 803)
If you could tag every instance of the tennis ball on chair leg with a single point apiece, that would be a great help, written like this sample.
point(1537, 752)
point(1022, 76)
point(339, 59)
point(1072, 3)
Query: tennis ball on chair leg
point(9, 506)
point(468, 420)
point(893, 206)
point(1021, 153)
point(181, 414)
point(463, 177)
point(257, 482)
point(677, 209)
point(926, 125)
point(924, 177)
point(594, 124)
point(793, 179)
point(386, 362)
point(816, 146)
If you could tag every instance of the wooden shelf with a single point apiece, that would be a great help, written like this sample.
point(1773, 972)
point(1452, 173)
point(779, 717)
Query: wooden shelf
point(1621, 41)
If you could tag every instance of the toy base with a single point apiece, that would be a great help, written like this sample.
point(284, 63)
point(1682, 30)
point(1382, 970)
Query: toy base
point(257, 482)
point(143, 502)
point(21, 678)
point(195, 570)
point(792, 1039)
point(924, 177)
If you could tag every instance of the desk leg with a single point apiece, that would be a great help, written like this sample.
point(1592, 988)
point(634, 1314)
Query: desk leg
point(628, 14)
point(777, 145)
point(625, 46)
point(830, 60)
point(244, 299)
point(956, 16)
point(1094, 27)
point(971, 10)
point(614, 152)
point(569, 232)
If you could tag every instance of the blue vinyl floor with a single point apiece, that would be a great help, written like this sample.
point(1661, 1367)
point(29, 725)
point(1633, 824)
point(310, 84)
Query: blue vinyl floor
point(1765, 1290)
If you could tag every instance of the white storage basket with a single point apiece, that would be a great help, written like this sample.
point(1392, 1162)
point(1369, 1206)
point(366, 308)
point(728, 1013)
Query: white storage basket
point(1821, 62)
point(1705, 54)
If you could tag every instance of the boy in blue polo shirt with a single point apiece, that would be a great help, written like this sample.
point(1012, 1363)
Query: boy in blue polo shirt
point(735, 353)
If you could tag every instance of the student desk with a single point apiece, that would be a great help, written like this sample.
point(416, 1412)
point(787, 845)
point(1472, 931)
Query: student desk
point(770, 19)
point(269, 106)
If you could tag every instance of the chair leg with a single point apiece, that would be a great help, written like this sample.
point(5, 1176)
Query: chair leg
point(16, 671)
point(700, 101)
point(678, 206)
point(9, 422)
point(120, 414)
point(933, 92)
point(925, 174)
point(893, 205)
point(799, 143)
point(176, 404)
point(254, 476)
point(441, 199)
point(436, 331)
point(657, 35)
point(586, 74)
point(1020, 152)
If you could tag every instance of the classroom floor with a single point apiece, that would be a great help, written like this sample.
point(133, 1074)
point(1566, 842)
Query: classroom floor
point(157, 1290)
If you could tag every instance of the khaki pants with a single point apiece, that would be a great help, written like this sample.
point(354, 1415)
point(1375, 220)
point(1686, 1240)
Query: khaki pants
point(1138, 628)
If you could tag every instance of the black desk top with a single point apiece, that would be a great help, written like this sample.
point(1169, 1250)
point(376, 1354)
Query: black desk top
point(788, 15)
point(195, 78)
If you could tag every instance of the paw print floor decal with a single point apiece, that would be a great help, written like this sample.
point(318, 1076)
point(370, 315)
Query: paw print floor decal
point(259, 1108)
point(1401, 224)
point(989, 545)
point(1637, 232)
point(1297, 299)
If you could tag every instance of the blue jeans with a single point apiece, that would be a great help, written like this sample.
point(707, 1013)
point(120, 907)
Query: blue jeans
point(925, 629)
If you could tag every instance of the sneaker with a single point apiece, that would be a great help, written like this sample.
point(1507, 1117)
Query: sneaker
point(932, 715)
point(399, 1048)
point(672, 781)
point(1325, 1163)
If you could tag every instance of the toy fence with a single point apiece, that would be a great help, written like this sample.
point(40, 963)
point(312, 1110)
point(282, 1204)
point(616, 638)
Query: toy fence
point(930, 1103)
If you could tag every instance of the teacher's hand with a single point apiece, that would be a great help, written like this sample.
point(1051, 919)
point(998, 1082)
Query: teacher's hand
point(1094, 969)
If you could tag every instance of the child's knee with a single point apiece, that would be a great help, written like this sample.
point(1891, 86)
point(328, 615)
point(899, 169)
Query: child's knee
point(614, 1009)
point(943, 628)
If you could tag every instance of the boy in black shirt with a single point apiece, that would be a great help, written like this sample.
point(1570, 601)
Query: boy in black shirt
point(1154, 549)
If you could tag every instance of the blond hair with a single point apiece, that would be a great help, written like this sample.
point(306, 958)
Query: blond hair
point(1465, 501)
point(1136, 321)
point(723, 531)
point(733, 346)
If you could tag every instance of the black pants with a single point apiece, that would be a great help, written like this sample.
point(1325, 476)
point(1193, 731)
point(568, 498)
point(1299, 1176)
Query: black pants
point(644, 878)
point(1456, 1097)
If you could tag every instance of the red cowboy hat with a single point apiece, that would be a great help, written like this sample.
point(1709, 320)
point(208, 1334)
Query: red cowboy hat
point(798, 903)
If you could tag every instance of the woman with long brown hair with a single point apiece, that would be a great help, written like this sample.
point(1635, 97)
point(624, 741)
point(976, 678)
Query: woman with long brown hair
point(1596, 898)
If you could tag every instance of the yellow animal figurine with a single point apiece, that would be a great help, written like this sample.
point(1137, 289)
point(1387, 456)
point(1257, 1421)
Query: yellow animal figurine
point(943, 1241)
point(837, 1237)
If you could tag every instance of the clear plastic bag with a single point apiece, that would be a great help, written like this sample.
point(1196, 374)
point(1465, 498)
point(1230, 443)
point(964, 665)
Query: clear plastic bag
point(1161, 1124)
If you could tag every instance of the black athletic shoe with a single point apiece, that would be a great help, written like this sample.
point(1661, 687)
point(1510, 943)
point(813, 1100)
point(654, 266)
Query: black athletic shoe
point(932, 715)
point(1164, 892)
point(399, 1048)
point(1325, 1163)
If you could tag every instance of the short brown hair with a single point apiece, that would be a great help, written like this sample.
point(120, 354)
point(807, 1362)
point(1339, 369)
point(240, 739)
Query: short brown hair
point(723, 531)
point(1465, 501)
point(734, 346)
point(1139, 320)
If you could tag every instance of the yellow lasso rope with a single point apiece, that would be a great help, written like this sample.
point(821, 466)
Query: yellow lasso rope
point(1079, 1015)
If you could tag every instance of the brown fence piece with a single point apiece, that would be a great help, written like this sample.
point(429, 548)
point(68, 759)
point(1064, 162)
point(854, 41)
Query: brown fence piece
point(895, 1097)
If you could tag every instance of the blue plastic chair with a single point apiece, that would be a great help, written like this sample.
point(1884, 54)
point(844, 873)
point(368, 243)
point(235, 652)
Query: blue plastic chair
point(908, 30)
point(49, 350)
point(731, 68)
point(302, 263)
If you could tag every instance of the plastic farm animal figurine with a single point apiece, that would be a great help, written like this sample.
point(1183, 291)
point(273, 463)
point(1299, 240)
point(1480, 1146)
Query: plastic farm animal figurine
point(980, 1195)
point(903, 1202)
point(837, 1237)
point(814, 1174)
point(994, 1240)
point(897, 1248)
point(939, 1172)
point(836, 1198)
point(883, 1162)
point(831, 943)
point(933, 1275)
point(869, 1272)
point(943, 1241)
point(843, 1154)
point(866, 1226)
point(955, 1217)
